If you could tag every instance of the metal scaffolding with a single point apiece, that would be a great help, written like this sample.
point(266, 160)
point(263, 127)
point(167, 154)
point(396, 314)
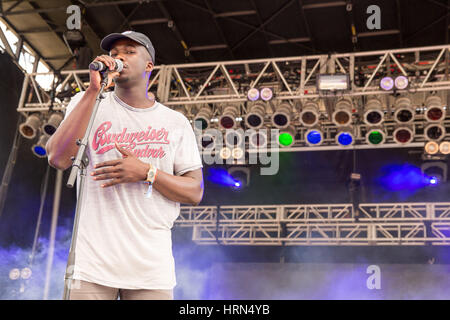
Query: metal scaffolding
point(189, 87)
point(319, 224)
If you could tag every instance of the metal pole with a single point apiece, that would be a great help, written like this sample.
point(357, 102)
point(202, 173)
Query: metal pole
point(51, 246)
point(9, 167)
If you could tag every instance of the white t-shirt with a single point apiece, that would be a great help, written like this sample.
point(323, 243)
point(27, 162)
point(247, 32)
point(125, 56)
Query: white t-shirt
point(124, 239)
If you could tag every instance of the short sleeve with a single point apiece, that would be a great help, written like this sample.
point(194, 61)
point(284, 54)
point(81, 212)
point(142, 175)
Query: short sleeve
point(187, 155)
point(73, 102)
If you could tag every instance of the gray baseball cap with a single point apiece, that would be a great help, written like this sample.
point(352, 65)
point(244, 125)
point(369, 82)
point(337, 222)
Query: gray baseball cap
point(140, 38)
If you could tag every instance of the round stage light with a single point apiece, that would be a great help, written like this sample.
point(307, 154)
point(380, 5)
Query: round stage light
point(403, 135)
point(281, 118)
point(404, 111)
point(387, 83)
point(255, 117)
point(225, 153)
point(257, 139)
point(25, 273)
point(266, 94)
point(309, 116)
point(375, 137)
point(431, 147)
point(203, 118)
point(233, 138)
point(253, 94)
point(52, 123)
point(314, 137)
point(444, 147)
point(344, 138)
point(237, 153)
point(228, 118)
point(30, 127)
point(374, 114)
point(14, 274)
point(435, 110)
point(435, 132)
point(401, 82)
point(39, 147)
point(286, 138)
point(342, 116)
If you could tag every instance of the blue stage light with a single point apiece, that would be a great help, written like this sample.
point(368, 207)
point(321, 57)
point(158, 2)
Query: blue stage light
point(314, 137)
point(345, 138)
point(222, 177)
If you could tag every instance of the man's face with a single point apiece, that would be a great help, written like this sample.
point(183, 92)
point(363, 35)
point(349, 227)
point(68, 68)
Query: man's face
point(136, 61)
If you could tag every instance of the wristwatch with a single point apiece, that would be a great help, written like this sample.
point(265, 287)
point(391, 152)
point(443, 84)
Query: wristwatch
point(151, 174)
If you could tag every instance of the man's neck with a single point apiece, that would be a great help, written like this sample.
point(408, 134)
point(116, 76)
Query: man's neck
point(136, 97)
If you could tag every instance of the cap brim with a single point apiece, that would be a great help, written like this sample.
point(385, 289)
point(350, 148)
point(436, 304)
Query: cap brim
point(108, 41)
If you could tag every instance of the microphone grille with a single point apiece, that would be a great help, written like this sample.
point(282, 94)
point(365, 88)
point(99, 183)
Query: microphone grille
point(119, 65)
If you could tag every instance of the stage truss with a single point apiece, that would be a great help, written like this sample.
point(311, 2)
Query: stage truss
point(189, 87)
point(319, 224)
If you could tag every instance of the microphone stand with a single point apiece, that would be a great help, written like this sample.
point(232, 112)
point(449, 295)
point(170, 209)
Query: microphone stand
point(79, 165)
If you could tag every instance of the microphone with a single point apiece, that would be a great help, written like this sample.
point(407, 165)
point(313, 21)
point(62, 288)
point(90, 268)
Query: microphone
point(100, 66)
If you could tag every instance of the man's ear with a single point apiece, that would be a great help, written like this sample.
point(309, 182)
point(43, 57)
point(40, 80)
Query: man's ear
point(149, 67)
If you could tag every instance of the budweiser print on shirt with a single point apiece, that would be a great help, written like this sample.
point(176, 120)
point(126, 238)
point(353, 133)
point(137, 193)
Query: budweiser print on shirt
point(140, 142)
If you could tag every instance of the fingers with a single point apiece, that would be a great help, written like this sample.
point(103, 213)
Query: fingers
point(107, 60)
point(108, 163)
point(123, 151)
point(111, 183)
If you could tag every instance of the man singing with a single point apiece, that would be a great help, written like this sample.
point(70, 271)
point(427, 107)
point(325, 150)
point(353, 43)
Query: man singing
point(124, 246)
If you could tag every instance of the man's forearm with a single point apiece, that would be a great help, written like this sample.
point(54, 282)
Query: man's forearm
point(184, 189)
point(61, 146)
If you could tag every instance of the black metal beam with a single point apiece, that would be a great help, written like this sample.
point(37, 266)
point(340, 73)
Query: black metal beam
point(399, 22)
point(13, 6)
point(308, 30)
point(248, 25)
point(261, 26)
point(219, 29)
point(258, 16)
point(176, 31)
point(127, 18)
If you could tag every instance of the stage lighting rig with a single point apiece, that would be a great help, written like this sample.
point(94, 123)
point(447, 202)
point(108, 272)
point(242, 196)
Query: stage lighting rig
point(38, 148)
point(310, 114)
point(388, 83)
point(375, 136)
point(404, 111)
point(373, 114)
point(281, 118)
point(203, 118)
point(314, 137)
point(52, 123)
point(228, 118)
point(286, 138)
point(403, 134)
point(435, 171)
point(332, 82)
point(266, 94)
point(342, 115)
point(255, 117)
point(434, 109)
point(344, 137)
point(241, 175)
point(253, 94)
point(435, 131)
point(31, 126)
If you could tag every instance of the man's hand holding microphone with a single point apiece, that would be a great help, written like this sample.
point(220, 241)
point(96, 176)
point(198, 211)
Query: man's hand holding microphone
point(103, 63)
